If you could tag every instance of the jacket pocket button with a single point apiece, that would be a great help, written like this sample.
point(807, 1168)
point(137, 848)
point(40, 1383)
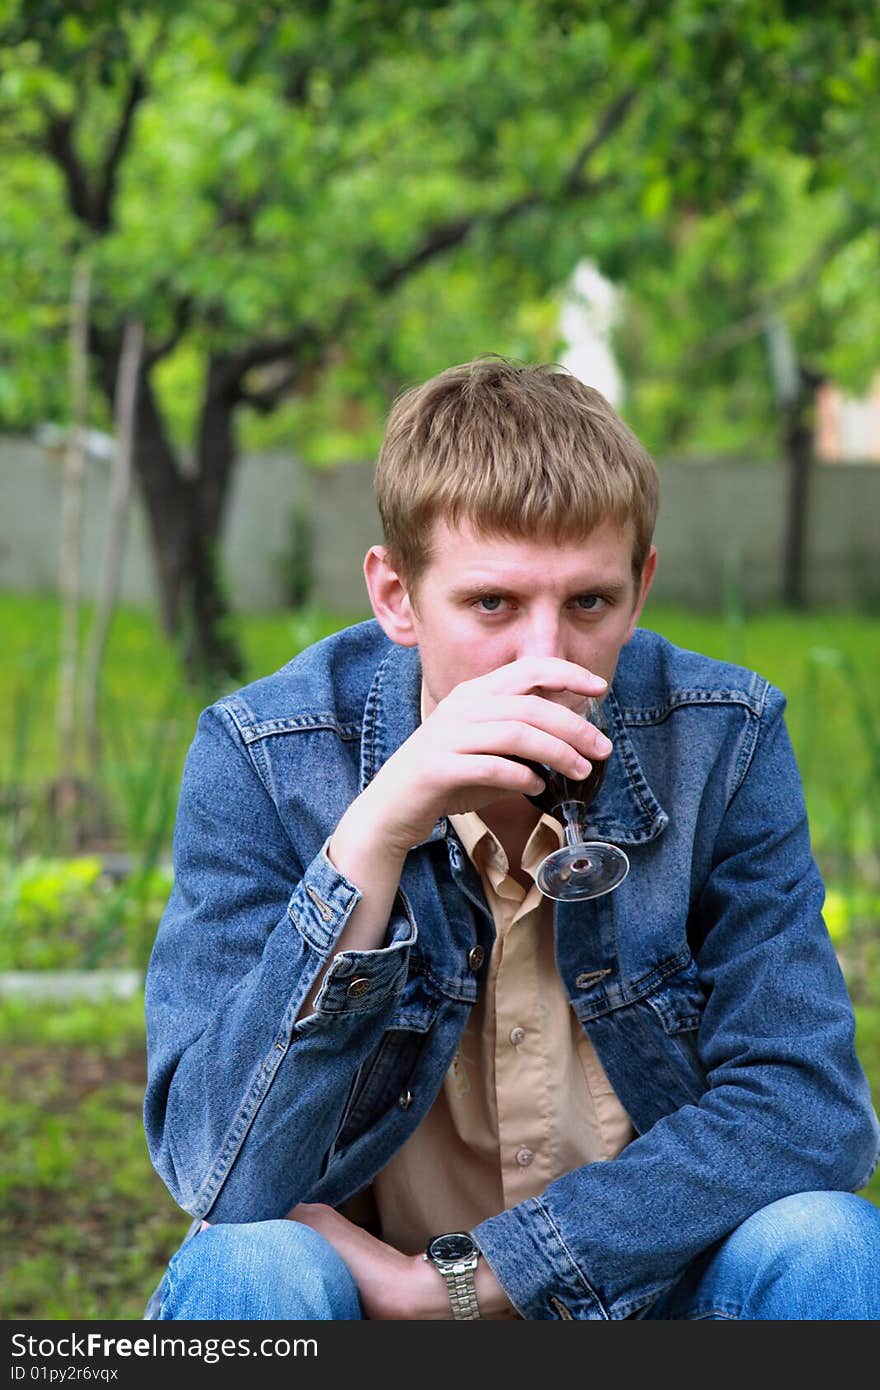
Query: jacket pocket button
point(476, 956)
point(358, 987)
point(405, 1100)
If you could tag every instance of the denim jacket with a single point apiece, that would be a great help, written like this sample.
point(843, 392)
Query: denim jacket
point(706, 982)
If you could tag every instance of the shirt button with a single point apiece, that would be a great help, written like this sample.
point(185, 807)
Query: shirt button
point(517, 1035)
point(405, 1099)
point(358, 987)
point(524, 1157)
point(476, 956)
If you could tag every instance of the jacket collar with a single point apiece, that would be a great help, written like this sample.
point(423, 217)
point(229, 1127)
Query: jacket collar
point(626, 812)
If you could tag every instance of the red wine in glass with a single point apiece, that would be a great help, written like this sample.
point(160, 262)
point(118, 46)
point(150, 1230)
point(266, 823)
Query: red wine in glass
point(559, 788)
point(581, 868)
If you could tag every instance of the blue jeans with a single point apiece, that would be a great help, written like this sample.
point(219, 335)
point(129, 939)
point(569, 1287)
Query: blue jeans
point(813, 1256)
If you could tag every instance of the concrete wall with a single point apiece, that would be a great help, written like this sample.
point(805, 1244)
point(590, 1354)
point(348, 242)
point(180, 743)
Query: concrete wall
point(266, 491)
point(719, 523)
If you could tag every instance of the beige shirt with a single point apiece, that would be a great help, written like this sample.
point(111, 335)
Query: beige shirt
point(525, 1099)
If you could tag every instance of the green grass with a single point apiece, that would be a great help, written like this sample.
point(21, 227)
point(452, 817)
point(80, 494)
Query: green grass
point(141, 668)
point(86, 1226)
point(141, 673)
point(147, 717)
point(826, 664)
point(141, 679)
point(868, 1049)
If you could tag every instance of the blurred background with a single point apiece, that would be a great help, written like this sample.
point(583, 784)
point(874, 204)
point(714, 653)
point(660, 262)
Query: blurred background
point(229, 235)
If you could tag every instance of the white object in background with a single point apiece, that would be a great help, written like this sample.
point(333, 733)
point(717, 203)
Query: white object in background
point(589, 310)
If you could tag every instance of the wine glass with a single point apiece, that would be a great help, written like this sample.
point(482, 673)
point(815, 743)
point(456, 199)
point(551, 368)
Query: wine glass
point(581, 868)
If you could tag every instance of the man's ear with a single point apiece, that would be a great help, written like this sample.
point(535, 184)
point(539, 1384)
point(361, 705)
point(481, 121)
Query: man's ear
point(649, 569)
point(389, 598)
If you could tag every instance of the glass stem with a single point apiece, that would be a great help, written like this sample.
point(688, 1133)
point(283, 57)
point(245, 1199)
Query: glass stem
point(574, 816)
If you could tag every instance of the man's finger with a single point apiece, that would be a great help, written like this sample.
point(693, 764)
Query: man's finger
point(531, 673)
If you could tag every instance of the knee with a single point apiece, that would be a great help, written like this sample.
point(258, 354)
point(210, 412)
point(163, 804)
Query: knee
point(278, 1270)
point(818, 1252)
point(816, 1227)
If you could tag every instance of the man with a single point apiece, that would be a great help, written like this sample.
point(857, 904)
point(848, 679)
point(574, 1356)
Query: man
point(367, 1026)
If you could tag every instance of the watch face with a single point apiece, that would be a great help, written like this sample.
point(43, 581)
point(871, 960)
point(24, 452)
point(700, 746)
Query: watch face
point(455, 1246)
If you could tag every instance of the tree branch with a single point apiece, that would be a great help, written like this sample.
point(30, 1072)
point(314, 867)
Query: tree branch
point(94, 208)
point(182, 318)
point(59, 144)
point(447, 235)
point(264, 401)
point(609, 121)
point(754, 322)
point(269, 350)
point(103, 204)
point(438, 239)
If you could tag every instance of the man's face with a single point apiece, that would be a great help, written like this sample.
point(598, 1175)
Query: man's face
point(485, 601)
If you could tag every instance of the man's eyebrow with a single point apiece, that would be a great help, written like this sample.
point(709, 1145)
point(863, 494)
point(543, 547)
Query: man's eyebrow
point(611, 588)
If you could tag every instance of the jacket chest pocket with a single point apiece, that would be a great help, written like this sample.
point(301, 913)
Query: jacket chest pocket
point(380, 1083)
point(678, 1008)
point(649, 1049)
point(381, 1080)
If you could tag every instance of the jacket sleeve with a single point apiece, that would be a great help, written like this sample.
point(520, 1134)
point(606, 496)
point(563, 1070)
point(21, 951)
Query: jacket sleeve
point(787, 1107)
point(247, 930)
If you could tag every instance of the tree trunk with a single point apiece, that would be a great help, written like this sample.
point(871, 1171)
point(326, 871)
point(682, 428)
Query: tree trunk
point(211, 651)
point(798, 440)
point(184, 517)
point(165, 494)
point(794, 387)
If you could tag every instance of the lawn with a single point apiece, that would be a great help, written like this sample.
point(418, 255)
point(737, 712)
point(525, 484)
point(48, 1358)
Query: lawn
point(86, 1226)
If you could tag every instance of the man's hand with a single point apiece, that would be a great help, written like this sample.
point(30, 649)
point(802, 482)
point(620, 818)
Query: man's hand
point(393, 1286)
point(460, 757)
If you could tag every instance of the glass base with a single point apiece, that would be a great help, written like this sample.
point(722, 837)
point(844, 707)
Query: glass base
point(582, 871)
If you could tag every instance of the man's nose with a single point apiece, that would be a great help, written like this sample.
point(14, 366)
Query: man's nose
point(542, 635)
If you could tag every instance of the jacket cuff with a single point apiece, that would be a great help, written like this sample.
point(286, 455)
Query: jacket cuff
point(356, 981)
point(534, 1266)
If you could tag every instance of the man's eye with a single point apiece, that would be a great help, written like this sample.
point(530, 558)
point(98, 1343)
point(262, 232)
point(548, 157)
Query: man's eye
point(489, 603)
point(589, 603)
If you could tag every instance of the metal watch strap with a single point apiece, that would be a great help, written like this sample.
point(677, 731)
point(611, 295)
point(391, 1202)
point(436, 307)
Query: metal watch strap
point(462, 1291)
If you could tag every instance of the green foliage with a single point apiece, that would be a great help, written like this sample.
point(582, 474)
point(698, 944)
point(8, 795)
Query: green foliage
point(86, 1226)
point(692, 337)
point(868, 1048)
point(68, 913)
point(395, 186)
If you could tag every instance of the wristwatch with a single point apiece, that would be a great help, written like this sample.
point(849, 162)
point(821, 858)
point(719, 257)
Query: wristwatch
point(456, 1257)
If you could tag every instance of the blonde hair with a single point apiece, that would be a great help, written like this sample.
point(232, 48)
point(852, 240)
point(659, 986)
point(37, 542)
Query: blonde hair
point(513, 450)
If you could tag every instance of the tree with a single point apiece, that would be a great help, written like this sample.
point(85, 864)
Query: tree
point(273, 190)
point(748, 309)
